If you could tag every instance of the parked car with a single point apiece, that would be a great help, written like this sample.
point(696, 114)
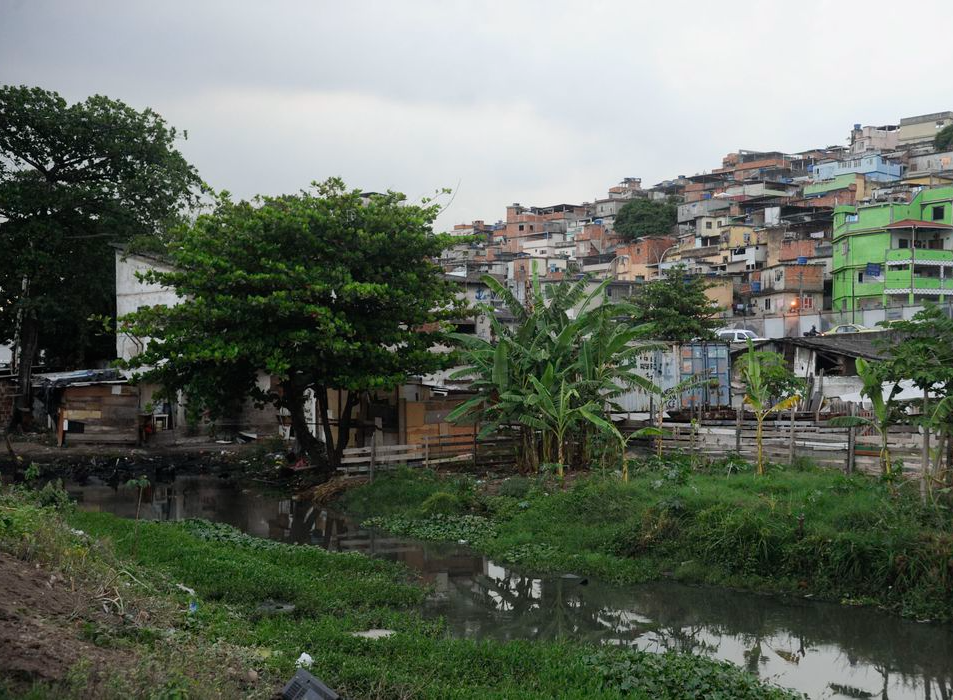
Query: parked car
point(847, 328)
point(736, 335)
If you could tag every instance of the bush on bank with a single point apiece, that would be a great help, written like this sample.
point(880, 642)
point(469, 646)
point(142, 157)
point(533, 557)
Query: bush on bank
point(855, 539)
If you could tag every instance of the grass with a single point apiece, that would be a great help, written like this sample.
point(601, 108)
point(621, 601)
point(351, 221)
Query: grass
point(852, 539)
point(334, 594)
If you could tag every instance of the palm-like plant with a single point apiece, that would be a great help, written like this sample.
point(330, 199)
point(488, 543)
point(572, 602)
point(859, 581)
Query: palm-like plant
point(555, 373)
point(759, 395)
point(884, 409)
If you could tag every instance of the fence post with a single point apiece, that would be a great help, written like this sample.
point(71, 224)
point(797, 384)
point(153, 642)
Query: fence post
point(739, 420)
point(426, 450)
point(475, 425)
point(370, 470)
point(851, 441)
point(791, 438)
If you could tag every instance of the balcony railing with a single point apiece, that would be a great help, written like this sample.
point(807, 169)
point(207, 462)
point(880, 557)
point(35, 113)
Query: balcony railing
point(920, 255)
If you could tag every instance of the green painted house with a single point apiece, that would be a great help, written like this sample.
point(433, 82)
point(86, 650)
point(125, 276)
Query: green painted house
point(891, 253)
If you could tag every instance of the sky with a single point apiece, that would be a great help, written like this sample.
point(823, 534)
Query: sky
point(520, 101)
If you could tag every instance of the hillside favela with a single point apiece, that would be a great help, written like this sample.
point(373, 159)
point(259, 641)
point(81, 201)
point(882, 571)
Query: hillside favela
point(454, 350)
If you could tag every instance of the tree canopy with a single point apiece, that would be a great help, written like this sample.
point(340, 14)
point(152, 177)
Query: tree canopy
point(645, 217)
point(325, 289)
point(944, 138)
point(74, 178)
point(676, 308)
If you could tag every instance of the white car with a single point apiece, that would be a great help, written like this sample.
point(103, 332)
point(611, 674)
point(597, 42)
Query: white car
point(736, 335)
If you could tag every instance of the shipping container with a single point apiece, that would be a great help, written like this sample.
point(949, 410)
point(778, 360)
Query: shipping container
point(668, 367)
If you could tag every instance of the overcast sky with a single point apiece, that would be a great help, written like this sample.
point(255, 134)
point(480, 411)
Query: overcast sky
point(535, 102)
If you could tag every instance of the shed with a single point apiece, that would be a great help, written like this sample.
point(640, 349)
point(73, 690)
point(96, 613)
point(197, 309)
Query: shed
point(90, 406)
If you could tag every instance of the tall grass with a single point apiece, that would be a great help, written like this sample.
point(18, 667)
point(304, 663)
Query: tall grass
point(856, 539)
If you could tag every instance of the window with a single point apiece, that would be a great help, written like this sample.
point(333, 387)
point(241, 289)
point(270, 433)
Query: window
point(807, 302)
point(937, 213)
point(767, 304)
point(531, 227)
point(851, 218)
point(707, 224)
point(904, 243)
point(521, 227)
point(860, 276)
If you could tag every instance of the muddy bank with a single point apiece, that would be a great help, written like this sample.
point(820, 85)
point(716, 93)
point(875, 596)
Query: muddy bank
point(254, 460)
point(43, 618)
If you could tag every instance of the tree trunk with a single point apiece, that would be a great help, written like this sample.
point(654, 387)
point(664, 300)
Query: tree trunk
point(344, 429)
point(26, 353)
point(885, 467)
point(293, 400)
point(760, 448)
point(925, 452)
point(949, 458)
point(321, 392)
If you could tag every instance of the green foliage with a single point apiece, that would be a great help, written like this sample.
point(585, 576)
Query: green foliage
point(886, 411)
point(73, 178)
point(472, 529)
point(862, 539)
point(555, 374)
point(645, 217)
point(675, 308)
point(324, 289)
point(441, 503)
point(770, 387)
point(670, 675)
point(337, 594)
point(944, 138)
point(515, 487)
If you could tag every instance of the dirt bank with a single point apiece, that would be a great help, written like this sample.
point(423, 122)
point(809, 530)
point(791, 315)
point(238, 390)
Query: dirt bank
point(42, 622)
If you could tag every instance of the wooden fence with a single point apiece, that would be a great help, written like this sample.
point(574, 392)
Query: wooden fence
point(431, 451)
point(787, 439)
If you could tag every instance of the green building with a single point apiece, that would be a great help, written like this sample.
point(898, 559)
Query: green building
point(891, 253)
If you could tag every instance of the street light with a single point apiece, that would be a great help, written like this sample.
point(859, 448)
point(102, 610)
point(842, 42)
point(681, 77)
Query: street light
point(658, 272)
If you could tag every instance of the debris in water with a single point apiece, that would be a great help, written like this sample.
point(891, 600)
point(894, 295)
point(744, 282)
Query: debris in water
point(373, 634)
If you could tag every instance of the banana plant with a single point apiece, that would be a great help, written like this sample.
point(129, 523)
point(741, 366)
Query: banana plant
point(884, 410)
point(758, 395)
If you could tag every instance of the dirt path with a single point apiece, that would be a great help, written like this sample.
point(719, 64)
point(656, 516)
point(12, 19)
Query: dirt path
point(41, 626)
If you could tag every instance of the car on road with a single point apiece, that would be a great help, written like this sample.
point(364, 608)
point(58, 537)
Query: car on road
point(847, 328)
point(736, 335)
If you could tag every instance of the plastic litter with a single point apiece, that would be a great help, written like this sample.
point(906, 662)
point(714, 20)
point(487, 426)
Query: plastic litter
point(304, 661)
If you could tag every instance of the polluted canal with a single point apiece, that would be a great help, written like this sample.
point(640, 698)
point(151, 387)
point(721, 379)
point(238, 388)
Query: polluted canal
point(822, 649)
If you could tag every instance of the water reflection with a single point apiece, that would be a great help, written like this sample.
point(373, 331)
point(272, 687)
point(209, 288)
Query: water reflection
point(821, 649)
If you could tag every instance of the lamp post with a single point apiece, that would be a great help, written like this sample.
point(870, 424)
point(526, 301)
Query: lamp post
point(658, 265)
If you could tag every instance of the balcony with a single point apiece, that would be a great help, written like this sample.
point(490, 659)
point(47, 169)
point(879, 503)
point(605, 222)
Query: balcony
point(922, 256)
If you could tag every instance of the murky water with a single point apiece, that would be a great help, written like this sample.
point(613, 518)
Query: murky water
point(824, 650)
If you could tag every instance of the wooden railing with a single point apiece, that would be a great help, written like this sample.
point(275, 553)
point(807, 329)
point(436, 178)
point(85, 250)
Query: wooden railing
point(784, 440)
point(431, 451)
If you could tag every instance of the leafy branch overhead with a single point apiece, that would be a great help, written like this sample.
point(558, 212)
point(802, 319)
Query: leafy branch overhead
point(73, 178)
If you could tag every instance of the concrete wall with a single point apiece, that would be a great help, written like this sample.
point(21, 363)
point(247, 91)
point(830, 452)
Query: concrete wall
point(132, 294)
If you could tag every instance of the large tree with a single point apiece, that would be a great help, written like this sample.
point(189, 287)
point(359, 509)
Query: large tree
point(324, 290)
point(676, 308)
point(944, 138)
point(645, 217)
point(74, 178)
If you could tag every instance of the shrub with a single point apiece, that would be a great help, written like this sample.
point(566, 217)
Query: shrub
point(441, 503)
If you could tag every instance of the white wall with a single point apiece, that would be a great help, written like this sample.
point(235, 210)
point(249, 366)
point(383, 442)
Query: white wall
point(131, 294)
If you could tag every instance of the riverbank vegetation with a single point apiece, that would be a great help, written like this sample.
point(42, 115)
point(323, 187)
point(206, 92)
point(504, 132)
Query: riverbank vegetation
point(854, 539)
point(201, 610)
